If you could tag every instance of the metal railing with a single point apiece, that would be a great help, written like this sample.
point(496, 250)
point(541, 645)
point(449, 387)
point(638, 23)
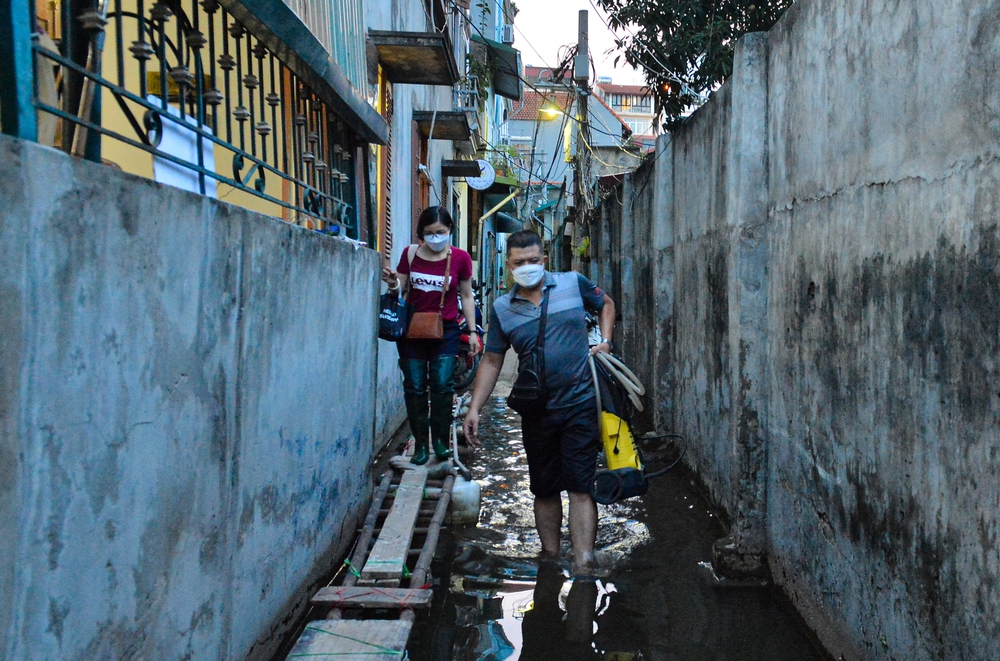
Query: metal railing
point(197, 89)
point(466, 94)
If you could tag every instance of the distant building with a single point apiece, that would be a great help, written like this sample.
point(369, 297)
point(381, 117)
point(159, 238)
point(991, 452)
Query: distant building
point(634, 104)
point(543, 140)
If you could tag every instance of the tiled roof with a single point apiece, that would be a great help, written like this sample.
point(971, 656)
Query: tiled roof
point(533, 101)
point(616, 115)
point(608, 88)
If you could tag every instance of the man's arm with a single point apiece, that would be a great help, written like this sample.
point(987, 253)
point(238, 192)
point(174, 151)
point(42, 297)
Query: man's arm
point(486, 380)
point(607, 322)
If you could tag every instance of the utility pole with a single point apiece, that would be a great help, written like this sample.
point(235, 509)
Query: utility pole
point(581, 179)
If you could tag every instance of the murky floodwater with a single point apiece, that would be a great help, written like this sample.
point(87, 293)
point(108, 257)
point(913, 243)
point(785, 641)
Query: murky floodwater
point(652, 601)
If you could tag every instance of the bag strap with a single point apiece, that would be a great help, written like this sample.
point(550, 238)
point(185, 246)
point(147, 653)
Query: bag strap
point(411, 251)
point(447, 272)
point(540, 342)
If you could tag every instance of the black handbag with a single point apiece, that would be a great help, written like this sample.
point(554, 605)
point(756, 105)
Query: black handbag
point(393, 317)
point(529, 395)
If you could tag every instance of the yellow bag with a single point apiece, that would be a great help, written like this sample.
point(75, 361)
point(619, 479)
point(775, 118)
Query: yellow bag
point(619, 449)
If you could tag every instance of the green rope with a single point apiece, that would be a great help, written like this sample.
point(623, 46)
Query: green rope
point(339, 654)
point(351, 568)
point(391, 563)
point(384, 650)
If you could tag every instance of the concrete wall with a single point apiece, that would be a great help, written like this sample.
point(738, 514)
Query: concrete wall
point(182, 455)
point(834, 332)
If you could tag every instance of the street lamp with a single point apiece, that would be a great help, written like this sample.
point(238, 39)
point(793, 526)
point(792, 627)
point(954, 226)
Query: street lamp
point(549, 110)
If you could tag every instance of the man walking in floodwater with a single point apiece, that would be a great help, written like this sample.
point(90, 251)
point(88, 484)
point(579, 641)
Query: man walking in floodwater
point(562, 441)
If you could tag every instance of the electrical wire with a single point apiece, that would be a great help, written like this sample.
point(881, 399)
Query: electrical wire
point(665, 70)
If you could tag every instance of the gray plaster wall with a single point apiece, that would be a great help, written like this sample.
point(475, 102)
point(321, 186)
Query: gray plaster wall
point(182, 455)
point(827, 271)
point(885, 322)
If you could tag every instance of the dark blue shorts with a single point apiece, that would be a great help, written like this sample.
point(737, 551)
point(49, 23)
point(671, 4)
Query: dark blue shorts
point(430, 349)
point(562, 448)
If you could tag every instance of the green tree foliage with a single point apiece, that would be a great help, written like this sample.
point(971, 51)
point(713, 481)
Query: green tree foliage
point(685, 47)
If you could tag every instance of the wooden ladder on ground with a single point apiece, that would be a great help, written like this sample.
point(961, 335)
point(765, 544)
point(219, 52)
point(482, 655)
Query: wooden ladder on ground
point(383, 553)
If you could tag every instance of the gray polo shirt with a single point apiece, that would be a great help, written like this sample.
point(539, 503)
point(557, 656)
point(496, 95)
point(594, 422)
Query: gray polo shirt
point(514, 322)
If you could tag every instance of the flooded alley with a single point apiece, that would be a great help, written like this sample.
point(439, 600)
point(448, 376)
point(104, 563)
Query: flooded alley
point(651, 598)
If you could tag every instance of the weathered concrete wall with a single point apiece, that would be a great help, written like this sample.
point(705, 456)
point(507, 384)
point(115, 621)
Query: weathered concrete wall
point(834, 270)
point(182, 455)
point(885, 322)
point(702, 246)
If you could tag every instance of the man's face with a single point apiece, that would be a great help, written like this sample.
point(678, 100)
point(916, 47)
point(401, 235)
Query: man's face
point(522, 256)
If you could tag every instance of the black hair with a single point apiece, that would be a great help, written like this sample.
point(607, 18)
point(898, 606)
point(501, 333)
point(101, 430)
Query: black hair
point(432, 215)
point(524, 239)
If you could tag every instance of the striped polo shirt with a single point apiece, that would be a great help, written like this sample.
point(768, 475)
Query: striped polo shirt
point(514, 322)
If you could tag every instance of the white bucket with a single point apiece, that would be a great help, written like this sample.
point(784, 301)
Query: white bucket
point(464, 507)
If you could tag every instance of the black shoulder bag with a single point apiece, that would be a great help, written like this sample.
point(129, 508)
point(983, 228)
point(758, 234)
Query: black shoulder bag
point(529, 395)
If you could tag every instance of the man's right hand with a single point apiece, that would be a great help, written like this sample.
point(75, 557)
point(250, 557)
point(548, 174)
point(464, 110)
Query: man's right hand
point(471, 428)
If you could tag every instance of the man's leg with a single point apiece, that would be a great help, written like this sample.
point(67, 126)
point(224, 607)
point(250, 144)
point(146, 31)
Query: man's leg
point(544, 473)
point(582, 528)
point(579, 439)
point(548, 522)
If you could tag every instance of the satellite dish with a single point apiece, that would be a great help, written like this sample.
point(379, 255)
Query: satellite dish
point(487, 175)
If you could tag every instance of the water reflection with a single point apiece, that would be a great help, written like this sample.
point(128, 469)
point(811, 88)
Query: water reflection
point(649, 599)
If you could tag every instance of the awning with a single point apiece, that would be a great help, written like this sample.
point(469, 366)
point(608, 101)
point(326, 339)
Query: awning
point(493, 199)
point(507, 63)
point(545, 207)
point(507, 224)
point(417, 58)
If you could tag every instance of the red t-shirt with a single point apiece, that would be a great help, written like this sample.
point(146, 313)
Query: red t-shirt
point(427, 280)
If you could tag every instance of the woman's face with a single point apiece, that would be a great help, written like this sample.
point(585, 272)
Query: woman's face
point(438, 228)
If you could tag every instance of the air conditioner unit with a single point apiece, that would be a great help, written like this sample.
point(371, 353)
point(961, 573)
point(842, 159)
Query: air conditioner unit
point(507, 33)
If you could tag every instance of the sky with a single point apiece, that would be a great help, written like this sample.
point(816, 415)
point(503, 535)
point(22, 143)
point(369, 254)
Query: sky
point(542, 26)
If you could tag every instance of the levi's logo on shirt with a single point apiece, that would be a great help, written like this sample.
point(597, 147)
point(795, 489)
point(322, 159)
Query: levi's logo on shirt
point(426, 282)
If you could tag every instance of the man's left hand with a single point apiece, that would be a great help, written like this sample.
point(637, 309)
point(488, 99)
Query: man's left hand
point(602, 347)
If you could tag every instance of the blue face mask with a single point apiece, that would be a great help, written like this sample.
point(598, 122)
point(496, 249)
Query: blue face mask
point(437, 242)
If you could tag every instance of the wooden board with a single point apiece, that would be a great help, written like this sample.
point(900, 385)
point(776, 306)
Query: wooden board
point(371, 597)
point(353, 640)
point(388, 556)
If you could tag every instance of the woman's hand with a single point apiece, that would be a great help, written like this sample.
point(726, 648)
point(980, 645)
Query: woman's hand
point(475, 343)
point(390, 277)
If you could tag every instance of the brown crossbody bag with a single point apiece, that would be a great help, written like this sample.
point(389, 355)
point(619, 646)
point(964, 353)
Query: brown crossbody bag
point(428, 325)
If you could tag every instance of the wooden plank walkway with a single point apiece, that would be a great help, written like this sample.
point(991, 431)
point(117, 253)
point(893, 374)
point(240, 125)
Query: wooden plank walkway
point(388, 557)
point(353, 640)
point(372, 597)
point(377, 586)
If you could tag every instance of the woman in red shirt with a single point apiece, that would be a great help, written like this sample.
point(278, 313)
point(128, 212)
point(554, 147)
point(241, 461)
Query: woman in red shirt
point(421, 275)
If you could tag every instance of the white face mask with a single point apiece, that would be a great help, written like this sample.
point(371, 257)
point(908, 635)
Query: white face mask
point(528, 275)
point(437, 242)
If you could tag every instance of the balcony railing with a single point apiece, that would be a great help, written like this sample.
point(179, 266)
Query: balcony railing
point(466, 94)
point(220, 104)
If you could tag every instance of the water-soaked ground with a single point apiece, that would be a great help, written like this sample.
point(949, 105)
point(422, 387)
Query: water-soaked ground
point(653, 600)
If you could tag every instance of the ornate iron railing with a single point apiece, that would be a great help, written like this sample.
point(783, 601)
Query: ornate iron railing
point(197, 89)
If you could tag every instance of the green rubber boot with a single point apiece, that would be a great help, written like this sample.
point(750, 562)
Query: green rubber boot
point(417, 414)
point(441, 372)
point(420, 452)
point(441, 410)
